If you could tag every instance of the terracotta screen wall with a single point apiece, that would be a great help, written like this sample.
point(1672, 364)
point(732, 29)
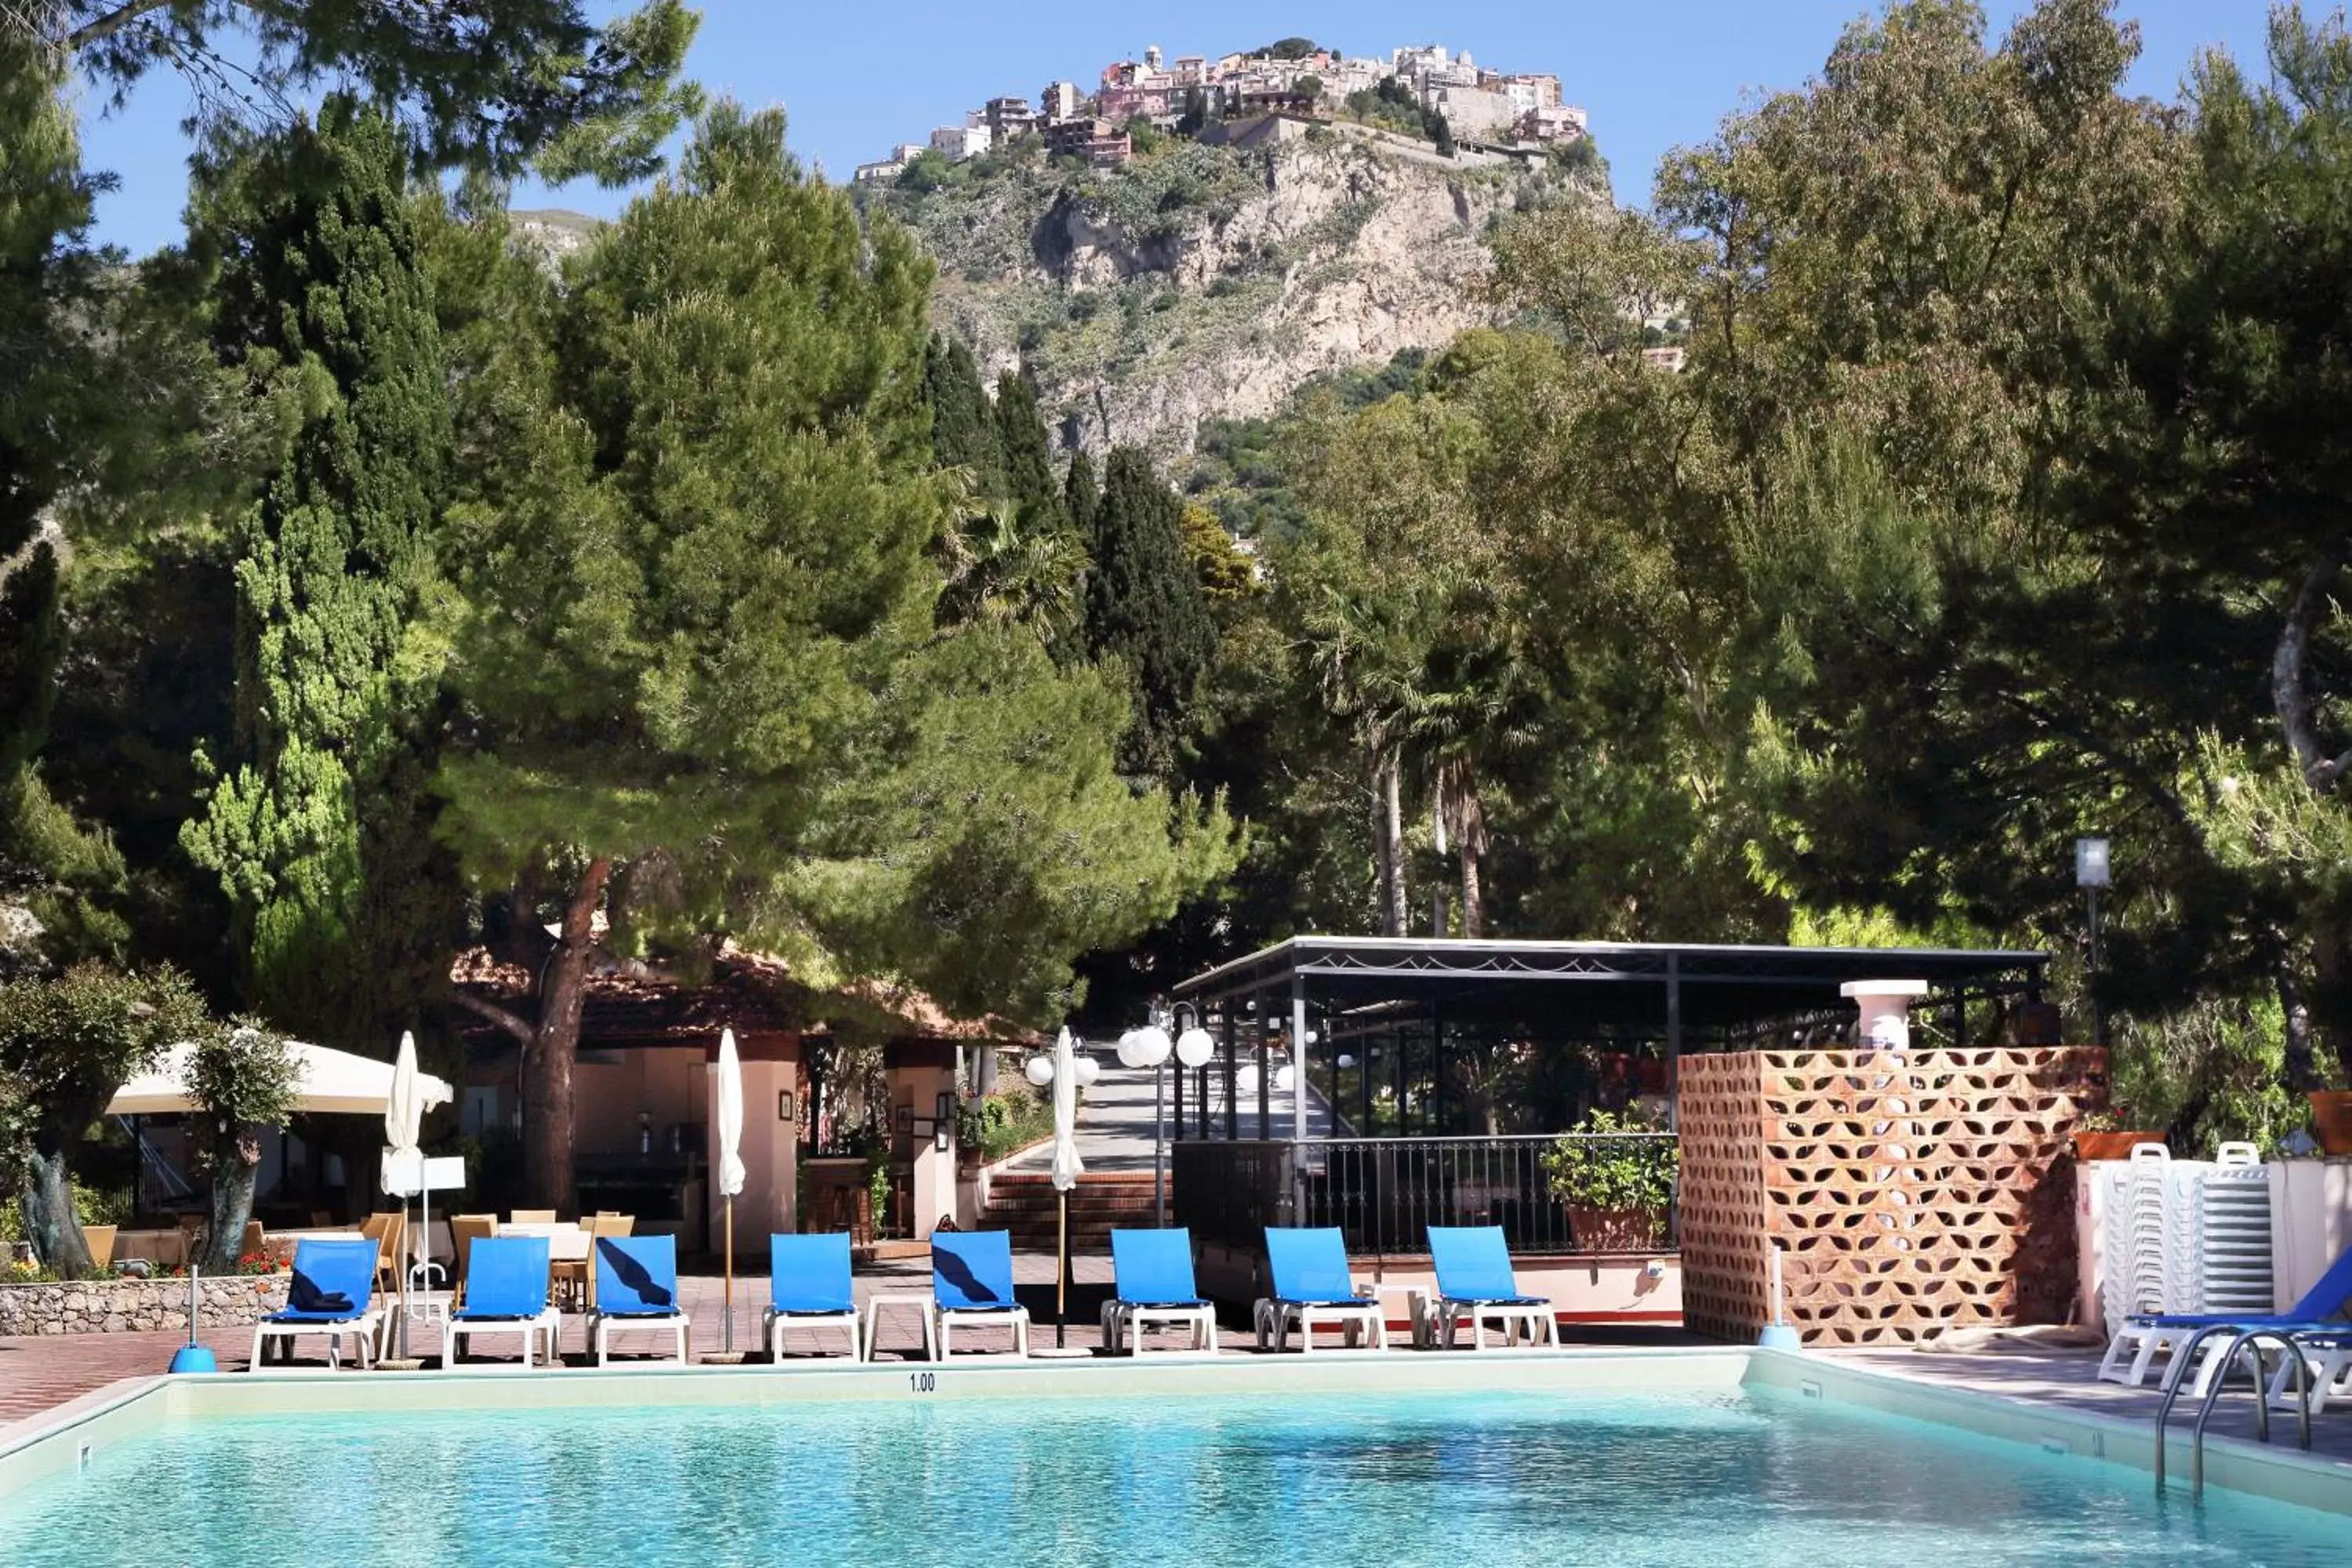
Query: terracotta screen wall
point(1910, 1191)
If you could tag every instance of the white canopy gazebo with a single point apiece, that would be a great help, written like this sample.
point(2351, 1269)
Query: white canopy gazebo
point(333, 1081)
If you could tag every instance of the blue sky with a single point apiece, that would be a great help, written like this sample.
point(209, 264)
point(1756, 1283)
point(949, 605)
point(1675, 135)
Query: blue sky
point(856, 78)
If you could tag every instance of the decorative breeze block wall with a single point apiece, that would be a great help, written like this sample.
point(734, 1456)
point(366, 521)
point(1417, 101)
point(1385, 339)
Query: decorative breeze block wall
point(1911, 1191)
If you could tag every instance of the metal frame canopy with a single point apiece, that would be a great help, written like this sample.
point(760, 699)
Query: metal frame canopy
point(1667, 991)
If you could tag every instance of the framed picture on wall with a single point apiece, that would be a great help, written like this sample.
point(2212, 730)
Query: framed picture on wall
point(907, 1119)
point(783, 1105)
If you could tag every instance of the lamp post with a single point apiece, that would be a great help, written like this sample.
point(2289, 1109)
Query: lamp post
point(1150, 1046)
point(2092, 872)
point(1068, 1069)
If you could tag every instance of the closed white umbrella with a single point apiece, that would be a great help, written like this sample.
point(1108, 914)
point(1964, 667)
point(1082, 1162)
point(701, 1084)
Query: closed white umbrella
point(1067, 1166)
point(728, 1113)
point(404, 1115)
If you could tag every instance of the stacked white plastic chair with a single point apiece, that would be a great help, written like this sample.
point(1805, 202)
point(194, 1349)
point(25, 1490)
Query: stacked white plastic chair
point(2133, 1235)
point(2233, 1233)
point(2180, 1253)
point(2184, 1238)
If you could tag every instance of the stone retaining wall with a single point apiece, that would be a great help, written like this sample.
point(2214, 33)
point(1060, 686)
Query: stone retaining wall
point(136, 1306)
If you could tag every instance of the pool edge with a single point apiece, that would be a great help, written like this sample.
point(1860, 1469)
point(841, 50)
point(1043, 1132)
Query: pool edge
point(2279, 1472)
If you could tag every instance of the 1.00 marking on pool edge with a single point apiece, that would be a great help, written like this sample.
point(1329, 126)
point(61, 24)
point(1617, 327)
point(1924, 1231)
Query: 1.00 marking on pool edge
point(922, 1382)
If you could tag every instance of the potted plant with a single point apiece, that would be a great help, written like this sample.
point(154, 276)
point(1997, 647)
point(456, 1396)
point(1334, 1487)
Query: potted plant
point(2331, 1120)
point(1616, 1189)
point(2100, 1136)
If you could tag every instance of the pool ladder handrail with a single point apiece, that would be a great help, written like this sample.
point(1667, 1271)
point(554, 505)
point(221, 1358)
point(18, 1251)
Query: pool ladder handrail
point(2186, 1357)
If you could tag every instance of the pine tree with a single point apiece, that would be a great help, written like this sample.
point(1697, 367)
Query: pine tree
point(322, 828)
point(963, 428)
point(1028, 456)
point(1144, 604)
point(732, 709)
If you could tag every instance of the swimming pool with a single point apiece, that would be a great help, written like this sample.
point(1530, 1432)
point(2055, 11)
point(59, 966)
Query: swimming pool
point(1513, 1472)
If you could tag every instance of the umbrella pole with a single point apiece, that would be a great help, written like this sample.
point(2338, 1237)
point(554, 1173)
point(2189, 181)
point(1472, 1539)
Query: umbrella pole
point(400, 1261)
point(726, 1343)
point(1062, 1270)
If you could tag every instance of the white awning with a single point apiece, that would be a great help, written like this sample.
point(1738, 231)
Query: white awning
point(331, 1081)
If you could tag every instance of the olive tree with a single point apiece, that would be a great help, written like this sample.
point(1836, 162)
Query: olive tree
point(245, 1080)
point(67, 1045)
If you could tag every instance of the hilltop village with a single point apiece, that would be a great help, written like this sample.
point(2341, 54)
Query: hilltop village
point(1425, 91)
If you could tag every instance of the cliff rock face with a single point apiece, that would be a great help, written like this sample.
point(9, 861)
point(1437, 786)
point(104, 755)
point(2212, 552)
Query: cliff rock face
point(1201, 282)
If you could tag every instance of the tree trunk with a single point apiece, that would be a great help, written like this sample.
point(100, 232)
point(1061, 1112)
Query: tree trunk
point(2300, 1070)
point(555, 1042)
point(2329, 998)
point(51, 1224)
point(236, 1171)
point(1391, 831)
point(1474, 895)
point(1440, 918)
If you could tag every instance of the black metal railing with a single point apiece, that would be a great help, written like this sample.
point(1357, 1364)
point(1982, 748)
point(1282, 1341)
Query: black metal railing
point(1384, 1192)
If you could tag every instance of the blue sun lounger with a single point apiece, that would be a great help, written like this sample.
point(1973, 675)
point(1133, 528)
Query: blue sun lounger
point(1474, 1280)
point(636, 1288)
point(971, 1284)
point(332, 1293)
point(2325, 1307)
point(809, 1284)
point(1153, 1284)
point(506, 1293)
point(1311, 1285)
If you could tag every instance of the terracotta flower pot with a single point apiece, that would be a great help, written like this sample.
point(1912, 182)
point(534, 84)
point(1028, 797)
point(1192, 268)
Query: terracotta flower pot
point(1617, 1230)
point(2091, 1146)
point(2331, 1121)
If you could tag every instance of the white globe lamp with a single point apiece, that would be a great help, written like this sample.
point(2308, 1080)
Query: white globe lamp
point(1088, 1069)
point(1245, 1078)
point(1039, 1071)
point(1194, 1048)
point(1151, 1045)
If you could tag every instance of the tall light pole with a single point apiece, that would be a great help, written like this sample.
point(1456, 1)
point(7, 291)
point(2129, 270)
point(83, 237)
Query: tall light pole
point(1150, 1046)
point(2092, 872)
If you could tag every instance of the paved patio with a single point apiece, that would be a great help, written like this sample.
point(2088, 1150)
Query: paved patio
point(2067, 1379)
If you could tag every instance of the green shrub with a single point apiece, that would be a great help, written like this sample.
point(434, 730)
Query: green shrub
point(1612, 1172)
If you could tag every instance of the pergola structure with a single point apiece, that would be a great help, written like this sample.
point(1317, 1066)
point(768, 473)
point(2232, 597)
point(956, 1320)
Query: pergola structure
point(1675, 997)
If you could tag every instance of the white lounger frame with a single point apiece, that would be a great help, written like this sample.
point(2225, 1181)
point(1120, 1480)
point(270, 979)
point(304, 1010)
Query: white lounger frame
point(774, 1323)
point(1275, 1319)
point(938, 1322)
point(2132, 1354)
point(2330, 1369)
point(1511, 1317)
point(602, 1324)
point(542, 1333)
point(1126, 1320)
point(368, 1326)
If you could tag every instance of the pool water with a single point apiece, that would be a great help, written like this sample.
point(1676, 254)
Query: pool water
point(1465, 1481)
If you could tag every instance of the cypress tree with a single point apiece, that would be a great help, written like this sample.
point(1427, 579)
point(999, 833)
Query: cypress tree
point(1080, 498)
point(964, 429)
point(1144, 604)
point(320, 829)
point(1028, 456)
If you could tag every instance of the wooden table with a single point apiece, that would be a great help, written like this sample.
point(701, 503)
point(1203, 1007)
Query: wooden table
point(567, 1254)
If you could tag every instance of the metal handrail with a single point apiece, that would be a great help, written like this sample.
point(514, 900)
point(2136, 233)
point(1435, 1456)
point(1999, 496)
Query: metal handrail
point(2186, 1357)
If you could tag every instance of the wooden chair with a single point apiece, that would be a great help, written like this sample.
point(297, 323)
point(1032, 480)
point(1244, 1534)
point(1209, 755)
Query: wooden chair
point(255, 1240)
point(389, 1230)
point(581, 1275)
point(464, 1230)
point(531, 1216)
